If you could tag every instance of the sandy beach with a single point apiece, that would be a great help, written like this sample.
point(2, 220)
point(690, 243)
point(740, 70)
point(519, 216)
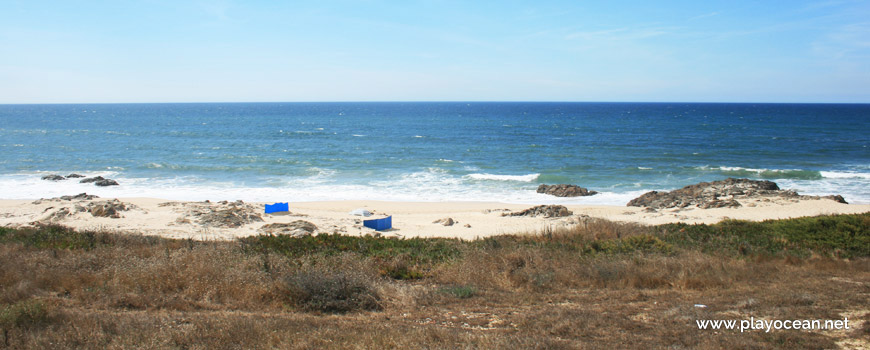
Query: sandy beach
point(226, 220)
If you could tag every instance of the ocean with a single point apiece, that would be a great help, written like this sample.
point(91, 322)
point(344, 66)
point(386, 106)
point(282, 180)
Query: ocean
point(422, 151)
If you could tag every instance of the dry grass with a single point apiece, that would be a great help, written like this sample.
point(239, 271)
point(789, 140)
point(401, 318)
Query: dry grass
point(597, 285)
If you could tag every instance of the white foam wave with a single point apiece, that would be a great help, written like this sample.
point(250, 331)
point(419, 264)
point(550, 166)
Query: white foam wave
point(423, 186)
point(763, 172)
point(429, 184)
point(750, 170)
point(320, 172)
point(844, 175)
point(496, 177)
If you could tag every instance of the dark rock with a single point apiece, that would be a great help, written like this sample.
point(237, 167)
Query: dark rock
point(548, 211)
point(700, 194)
point(91, 179)
point(837, 198)
point(298, 228)
point(107, 209)
point(74, 175)
point(706, 194)
point(228, 218)
point(226, 214)
point(717, 203)
point(106, 182)
point(58, 215)
point(445, 222)
point(53, 177)
point(565, 190)
point(80, 196)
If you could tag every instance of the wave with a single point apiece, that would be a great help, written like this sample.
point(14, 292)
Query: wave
point(319, 172)
point(496, 177)
point(844, 175)
point(555, 179)
point(798, 174)
point(319, 184)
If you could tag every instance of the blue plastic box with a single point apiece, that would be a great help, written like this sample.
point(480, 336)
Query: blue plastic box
point(379, 224)
point(273, 208)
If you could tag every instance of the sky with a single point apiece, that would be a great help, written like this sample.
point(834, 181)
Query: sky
point(288, 51)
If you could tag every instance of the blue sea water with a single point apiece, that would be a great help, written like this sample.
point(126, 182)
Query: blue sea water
point(478, 151)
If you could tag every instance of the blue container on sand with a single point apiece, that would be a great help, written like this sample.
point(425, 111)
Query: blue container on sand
point(379, 224)
point(274, 208)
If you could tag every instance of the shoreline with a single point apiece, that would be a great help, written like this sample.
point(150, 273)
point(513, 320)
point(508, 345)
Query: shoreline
point(227, 220)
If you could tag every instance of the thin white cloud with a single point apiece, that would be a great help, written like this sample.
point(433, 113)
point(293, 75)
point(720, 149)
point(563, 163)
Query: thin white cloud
point(706, 15)
point(848, 41)
point(619, 34)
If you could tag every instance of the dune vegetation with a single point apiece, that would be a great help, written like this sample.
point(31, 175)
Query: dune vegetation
point(599, 284)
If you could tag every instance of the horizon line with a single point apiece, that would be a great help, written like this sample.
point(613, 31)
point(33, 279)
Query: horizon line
point(424, 101)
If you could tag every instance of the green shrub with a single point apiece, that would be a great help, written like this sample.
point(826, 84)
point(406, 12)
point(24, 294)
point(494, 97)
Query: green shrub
point(26, 313)
point(461, 292)
point(417, 250)
point(401, 272)
point(843, 235)
point(632, 244)
point(54, 237)
point(839, 235)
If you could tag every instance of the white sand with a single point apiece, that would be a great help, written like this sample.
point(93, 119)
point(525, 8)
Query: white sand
point(152, 216)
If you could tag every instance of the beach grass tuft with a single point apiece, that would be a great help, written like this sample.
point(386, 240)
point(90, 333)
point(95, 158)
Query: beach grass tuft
point(416, 250)
point(331, 291)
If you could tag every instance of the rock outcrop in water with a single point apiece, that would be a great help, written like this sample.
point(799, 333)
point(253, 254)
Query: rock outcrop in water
point(565, 190)
point(547, 211)
point(99, 181)
point(106, 182)
point(91, 179)
point(53, 177)
point(707, 195)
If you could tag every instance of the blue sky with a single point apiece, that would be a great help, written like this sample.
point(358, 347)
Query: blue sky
point(211, 51)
